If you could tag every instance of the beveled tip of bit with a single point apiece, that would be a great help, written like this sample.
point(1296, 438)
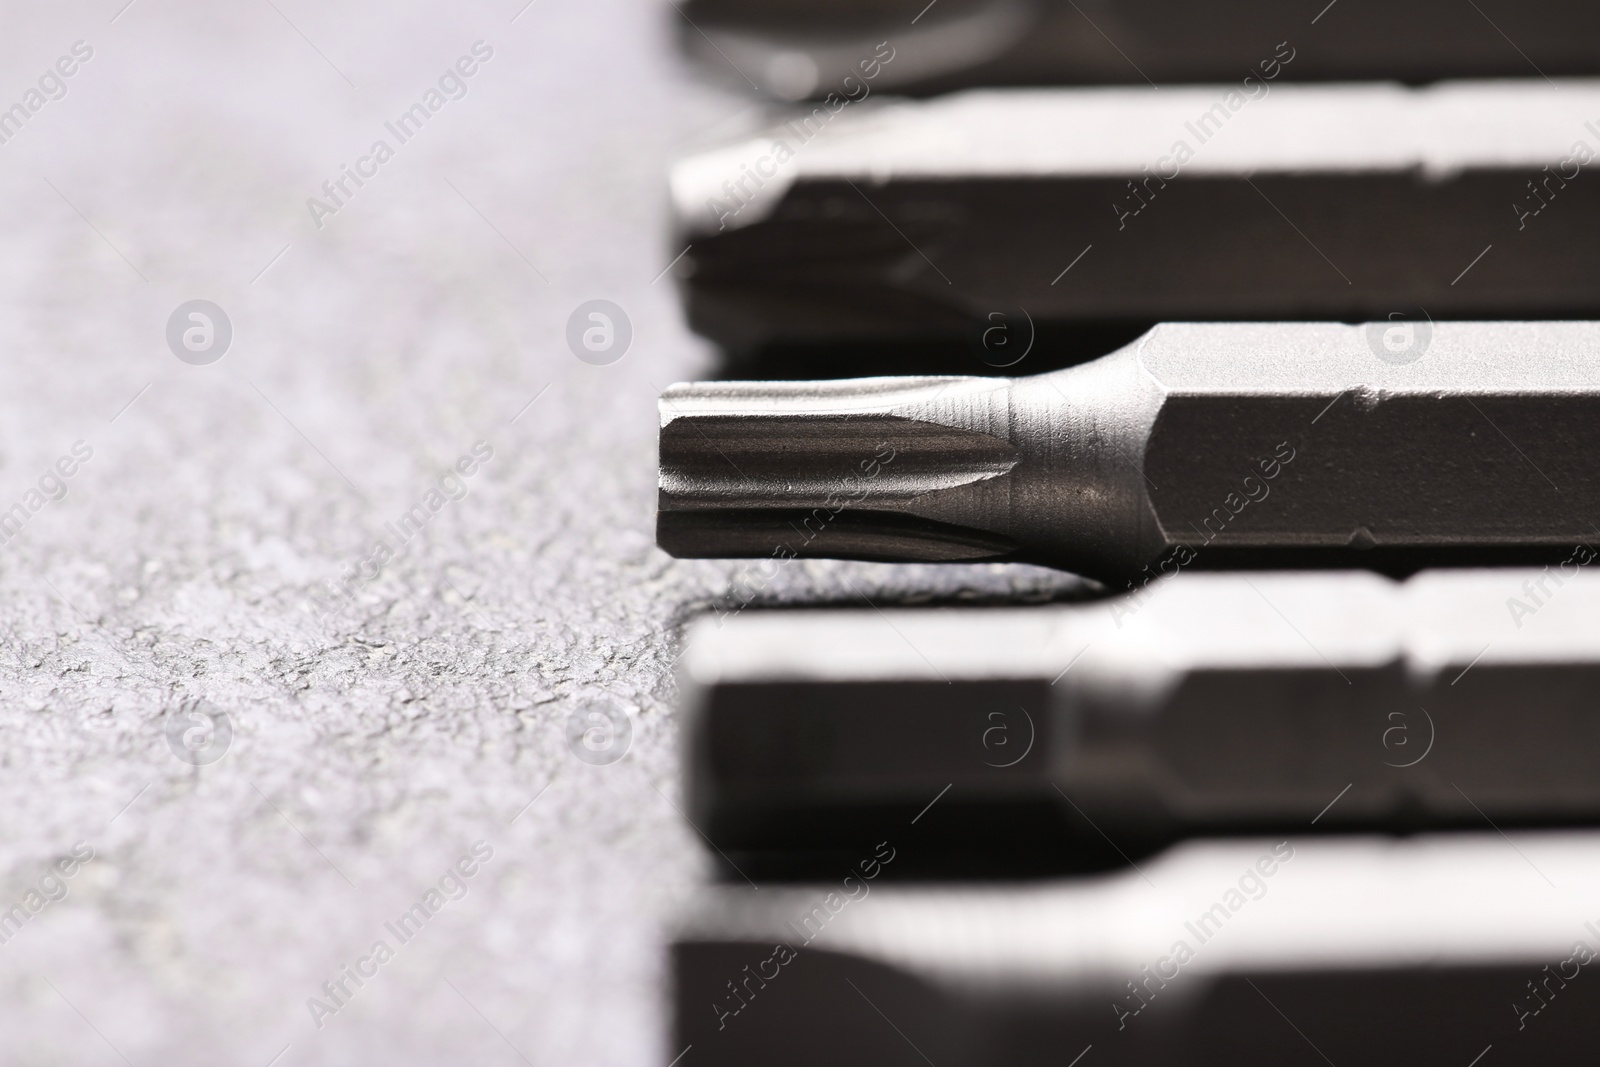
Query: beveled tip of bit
point(870, 468)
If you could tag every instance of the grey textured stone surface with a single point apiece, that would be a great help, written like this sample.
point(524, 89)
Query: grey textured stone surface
point(371, 750)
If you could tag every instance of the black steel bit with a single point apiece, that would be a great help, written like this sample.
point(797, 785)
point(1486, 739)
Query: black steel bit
point(798, 48)
point(1072, 736)
point(1476, 949)
point(1014, 221)
point(1259, 445)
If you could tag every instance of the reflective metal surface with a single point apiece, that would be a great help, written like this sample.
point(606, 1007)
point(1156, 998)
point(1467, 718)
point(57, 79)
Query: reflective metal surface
point(1255, 445)
point(1200, 704)
point(1269, 951)
point(1042, 212)
point(795, 48)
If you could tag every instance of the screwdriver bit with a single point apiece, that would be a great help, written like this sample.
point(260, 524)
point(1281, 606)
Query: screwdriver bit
point(1034, 738)
point(1276, 951)
point(1212, 445)
point(1026, 215)
point(798, 48)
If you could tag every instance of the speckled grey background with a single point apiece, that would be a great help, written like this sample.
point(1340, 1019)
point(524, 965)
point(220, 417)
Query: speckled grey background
point(370, 750)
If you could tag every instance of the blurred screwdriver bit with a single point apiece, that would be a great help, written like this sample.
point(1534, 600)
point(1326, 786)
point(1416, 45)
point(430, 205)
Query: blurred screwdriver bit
point(1034, 738)
point(806, 48)
point(1215, 445)
point(1278, 951)
point(997, 220)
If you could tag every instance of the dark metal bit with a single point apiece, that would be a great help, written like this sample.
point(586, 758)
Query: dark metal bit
point(1057, 738)
point(1011, 222)
point(1473, 950)
point(798, 48)
point(1207, 445)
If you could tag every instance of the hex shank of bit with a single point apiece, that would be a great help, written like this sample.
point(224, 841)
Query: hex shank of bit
point(1265, 445)
point(1272, 951)
point(1204, 704)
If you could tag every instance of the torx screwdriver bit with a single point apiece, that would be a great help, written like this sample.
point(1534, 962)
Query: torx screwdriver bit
point(996, 216)
point(1272, 951)
point(1260, 445)
point(1031, 738)
point(798, 48)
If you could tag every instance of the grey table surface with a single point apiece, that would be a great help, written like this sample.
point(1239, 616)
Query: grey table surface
point(371, 748)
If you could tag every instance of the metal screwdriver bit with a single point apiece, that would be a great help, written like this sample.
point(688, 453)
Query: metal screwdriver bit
point(1071, 736)
point(1277, 951)
point(798, 48)
point(1209, 445)
point(998, 216)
